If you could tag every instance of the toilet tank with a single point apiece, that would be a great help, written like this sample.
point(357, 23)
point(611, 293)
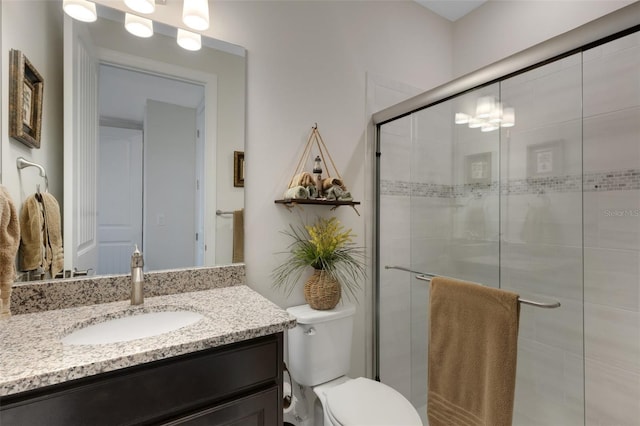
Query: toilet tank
point(320, 344)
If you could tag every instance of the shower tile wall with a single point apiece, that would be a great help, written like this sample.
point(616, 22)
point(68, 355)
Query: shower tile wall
point(541, 238)
point(431, 220)
point(612, 232)
point(475, 199)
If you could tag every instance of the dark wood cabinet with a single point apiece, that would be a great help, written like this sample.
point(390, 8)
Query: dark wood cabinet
point(236, 384)
point(258, 409)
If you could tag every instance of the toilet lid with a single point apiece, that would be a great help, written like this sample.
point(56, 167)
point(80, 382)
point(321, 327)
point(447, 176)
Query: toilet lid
point(363, 401)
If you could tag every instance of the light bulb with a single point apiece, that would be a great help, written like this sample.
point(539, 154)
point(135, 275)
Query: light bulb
point(82, 10)
point(188, 40)
point(496, 114)
point(475, 122)
point(138, 26)
point(141, 6)
point(462, 118)
point(195, 14)
point(508, 117)
point(484, 106)
point(488, 127)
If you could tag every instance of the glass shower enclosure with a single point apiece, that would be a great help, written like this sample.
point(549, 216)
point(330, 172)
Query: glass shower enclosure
point(529, 183)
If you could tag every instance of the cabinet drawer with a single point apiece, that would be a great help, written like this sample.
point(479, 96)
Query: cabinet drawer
point(259, 409)
point(153, 391)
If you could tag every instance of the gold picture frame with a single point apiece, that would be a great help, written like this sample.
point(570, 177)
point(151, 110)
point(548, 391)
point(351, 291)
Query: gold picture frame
point(238, 169)
point(26, 87)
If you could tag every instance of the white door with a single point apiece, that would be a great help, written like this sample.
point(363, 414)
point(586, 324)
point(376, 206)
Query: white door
point(80, 147)
point(120, 200)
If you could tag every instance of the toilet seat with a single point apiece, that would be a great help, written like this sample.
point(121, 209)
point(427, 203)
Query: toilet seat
point(363, 401)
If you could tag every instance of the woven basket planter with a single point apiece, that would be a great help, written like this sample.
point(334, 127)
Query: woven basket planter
point(322, 291)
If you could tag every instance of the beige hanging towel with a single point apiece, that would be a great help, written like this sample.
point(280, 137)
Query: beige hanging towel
point(9, 242)
point(41, 245)
point(32, 234)
point(238, 236)
point(473, 338)
point(53, 238)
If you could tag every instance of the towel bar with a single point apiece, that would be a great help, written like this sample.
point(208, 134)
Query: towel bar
point(423, 276)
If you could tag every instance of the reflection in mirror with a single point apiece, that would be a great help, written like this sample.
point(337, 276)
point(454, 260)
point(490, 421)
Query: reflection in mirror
point(160, 119)
point(149, 146)
point(159, 137)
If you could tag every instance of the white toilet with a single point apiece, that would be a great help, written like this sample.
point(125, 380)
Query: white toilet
point(320, 355)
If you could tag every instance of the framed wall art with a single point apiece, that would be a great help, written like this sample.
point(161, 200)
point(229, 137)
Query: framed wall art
point(26, 87)
point(545, 159)
point(478, 168)
point(238, 169)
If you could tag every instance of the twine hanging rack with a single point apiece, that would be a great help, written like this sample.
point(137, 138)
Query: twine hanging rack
point(315, 140)
point(322, 149)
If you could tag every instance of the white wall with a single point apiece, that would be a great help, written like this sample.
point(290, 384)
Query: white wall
point(42, 45)
point(306, 64)
point(501, 28)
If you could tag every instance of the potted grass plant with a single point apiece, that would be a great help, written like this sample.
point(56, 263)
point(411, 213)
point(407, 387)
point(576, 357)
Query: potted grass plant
point(337, 263)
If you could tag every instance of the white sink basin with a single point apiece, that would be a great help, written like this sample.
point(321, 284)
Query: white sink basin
point(132, 327)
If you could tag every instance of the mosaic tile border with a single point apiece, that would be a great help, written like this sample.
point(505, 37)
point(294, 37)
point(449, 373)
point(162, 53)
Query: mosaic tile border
point(618, 180)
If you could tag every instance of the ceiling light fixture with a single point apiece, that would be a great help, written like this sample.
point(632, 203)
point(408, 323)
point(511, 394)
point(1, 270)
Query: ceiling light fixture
point(141, 6)
point(82, 10)
point(188, 40)
point(138, 26)
point(195, 14)
point(489, 115)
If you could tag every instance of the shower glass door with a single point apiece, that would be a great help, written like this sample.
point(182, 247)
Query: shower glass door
point(454, 207)
point(439, 213)
point(547, 206)
point(487, 187)
point(541, 238)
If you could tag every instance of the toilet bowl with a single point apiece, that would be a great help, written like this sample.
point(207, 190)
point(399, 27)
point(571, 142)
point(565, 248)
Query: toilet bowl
point(319, 357)
point(363, 401)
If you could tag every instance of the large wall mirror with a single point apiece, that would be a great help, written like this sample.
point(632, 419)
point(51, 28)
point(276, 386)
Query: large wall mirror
point(150, 131)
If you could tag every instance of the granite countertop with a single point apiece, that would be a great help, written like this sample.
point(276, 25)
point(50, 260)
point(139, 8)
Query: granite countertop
point(33, 355)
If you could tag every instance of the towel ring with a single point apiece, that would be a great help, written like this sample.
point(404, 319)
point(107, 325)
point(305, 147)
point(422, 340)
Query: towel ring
point(21, 163)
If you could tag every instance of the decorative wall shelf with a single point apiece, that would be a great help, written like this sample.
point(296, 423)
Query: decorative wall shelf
point(290, 204)
point(304, 182)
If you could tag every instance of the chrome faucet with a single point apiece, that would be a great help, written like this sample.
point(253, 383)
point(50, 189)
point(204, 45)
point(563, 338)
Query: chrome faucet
point(137, 277)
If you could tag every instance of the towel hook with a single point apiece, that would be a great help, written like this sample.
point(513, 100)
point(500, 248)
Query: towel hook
point(21, 163)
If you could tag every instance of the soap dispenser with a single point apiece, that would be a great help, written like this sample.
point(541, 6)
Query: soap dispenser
point(137, 277)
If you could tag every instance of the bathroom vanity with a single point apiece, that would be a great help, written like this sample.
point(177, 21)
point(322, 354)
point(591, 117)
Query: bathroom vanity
point(226, 368)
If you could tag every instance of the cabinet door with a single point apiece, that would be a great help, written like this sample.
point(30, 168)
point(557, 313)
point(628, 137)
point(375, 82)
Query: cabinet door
point(258, 409)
